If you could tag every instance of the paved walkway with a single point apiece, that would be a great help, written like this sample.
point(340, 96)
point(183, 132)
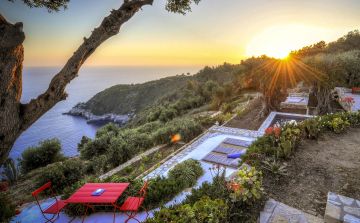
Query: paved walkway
point(277, 212)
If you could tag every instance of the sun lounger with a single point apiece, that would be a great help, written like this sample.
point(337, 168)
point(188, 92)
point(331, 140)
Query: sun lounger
point(225, 150)
point(237, 142)
point(221, 159)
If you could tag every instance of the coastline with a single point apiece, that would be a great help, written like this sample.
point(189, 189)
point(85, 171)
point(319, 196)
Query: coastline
point(91, 118)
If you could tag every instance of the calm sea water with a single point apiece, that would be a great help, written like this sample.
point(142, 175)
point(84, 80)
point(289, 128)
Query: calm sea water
point(67, 128)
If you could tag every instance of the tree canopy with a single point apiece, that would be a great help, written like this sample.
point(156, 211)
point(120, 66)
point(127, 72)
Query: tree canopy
point(175, 6)
point(50, 5)
point(16, 117)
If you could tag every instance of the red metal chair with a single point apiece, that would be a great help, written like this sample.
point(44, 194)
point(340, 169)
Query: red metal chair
point(132, 205)
point(54, 209)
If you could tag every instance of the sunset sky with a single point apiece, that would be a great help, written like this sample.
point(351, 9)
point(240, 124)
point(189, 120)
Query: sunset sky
point(216, 31)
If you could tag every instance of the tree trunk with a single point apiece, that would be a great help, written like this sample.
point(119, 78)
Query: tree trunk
point(11, 59)
point(15, 117)
point(323, 96)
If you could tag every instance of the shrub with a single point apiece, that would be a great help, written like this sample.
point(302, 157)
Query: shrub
point(7, 208)
point(61, 174)
point(113, 148)
point(217, 189)
point(275, 167)
point(311, 128)
point(203, 211)
point(247, 186)
point(186, 172)
point(188, 128)
point(339, 125)
point(96, 147)
point(353, 118)
point(10, 172)
point(47, 152)
point(337, 122)
point(222, 118)
point(162, 189)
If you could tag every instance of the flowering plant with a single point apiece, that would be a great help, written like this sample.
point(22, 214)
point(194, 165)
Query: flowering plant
point(247, 186)
point(348, 99)
point(276, 131)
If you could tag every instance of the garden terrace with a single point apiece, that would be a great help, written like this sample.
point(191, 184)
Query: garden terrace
point(294, 164)
point(332, 164)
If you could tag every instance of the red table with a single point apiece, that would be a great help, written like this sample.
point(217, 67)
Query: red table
point(111, 194)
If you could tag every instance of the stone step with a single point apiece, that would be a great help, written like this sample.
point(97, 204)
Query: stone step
point(341, 209)
point(277, 212)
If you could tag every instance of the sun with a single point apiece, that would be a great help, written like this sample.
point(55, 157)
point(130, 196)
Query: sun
point(279, 54)
point(278, 41)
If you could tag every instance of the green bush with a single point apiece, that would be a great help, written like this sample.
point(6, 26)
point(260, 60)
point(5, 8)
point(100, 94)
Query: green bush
point(186, 172)
point(217, 189)
point(311, 128)
point(188, 128)
point(47, 152)
point(61, 174)
point(162, 189)
point(7, 208)
point(247, 186)
point(112, 148)
point(203, 211)
point(338, 125)
point(10, 171)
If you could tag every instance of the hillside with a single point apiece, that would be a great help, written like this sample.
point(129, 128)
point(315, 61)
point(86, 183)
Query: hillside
point(338, 60)
point(127, 99)
point(123, 99)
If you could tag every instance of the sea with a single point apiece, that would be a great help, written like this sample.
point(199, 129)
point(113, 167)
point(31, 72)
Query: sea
point(91, 80)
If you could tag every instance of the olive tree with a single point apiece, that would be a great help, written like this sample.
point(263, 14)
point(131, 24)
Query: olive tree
point(16, 117)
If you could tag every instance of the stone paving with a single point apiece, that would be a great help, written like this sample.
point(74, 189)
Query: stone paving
point(342, 209)
point(277, 212)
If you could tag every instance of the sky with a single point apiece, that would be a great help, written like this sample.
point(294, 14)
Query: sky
point(216, 31)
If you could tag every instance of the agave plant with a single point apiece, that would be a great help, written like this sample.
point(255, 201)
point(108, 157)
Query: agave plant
point(275, 167)
point(10, 172)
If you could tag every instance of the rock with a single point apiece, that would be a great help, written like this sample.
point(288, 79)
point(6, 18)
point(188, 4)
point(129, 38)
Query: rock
point(79, 110)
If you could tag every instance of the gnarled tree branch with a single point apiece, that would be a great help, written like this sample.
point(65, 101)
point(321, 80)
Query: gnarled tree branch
point(15, 117)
